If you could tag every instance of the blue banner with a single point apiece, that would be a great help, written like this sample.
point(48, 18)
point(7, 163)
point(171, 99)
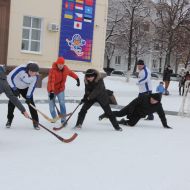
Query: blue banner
point(77, 26)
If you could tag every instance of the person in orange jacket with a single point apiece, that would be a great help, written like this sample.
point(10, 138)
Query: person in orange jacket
point(56, 86)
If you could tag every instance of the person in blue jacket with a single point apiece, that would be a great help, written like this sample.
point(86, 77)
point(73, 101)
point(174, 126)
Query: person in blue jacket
point(160, 88)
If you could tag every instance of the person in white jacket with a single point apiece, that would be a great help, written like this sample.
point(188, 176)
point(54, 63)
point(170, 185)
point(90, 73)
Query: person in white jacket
point(23, 80)
point(144, 82)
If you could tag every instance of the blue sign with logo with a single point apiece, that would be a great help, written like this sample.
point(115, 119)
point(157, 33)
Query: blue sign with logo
point(77, 26)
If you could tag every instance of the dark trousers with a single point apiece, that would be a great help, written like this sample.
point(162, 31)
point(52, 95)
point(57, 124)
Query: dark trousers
point(86, 106)
point(150, 116)
point(11, 107)
point(132, 119)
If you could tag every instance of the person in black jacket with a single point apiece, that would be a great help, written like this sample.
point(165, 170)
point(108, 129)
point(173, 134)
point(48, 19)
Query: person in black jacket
point(5, 88)
point(166, 78)
point(139, 108)
point(95, 92)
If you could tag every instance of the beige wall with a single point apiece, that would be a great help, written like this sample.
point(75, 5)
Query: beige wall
point(50, 11)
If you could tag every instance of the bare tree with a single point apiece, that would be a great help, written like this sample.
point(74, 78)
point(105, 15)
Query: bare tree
point(114, 31)
point(172, 15)
point(135, 12)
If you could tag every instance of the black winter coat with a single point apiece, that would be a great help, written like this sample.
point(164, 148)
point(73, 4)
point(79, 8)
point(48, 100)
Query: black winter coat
point(96, 90)
point(167, 74)
point(141, 107)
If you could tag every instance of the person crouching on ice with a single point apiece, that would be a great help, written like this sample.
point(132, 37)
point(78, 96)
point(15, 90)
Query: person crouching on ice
point(95, 92)
point(139, 108)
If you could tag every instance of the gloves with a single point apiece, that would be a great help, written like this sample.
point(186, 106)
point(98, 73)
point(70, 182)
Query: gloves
point(83, 100)
point(51, 95)
point(16, 92)
point(78, 82)
point(28, 101)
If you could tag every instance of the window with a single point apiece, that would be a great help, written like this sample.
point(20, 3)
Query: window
point(31, 34)
point(118, 60)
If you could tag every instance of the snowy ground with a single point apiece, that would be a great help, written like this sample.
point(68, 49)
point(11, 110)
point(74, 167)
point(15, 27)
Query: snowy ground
point(146, 157)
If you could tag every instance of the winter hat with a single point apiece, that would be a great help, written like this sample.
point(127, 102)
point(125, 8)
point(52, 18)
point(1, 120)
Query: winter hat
point(90, 73)
point(156, 96)
point(60, 60)
point(140, 62)
point(33, 67)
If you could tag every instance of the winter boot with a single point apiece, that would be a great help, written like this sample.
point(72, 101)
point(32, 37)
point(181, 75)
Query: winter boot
point(79, 126)
point(118, 129)
point(102, 117)
point(123, 122)
point(9, 122)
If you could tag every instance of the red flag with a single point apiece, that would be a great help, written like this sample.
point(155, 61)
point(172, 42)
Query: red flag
point(89, 2)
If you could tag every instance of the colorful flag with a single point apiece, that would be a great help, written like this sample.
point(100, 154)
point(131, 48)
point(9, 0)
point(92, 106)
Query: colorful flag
point(71, 0)
point(78, 17)
point(87, 20)
point(77, 25)
point(79, 7)
point(88, 10)
point(68, 15)
point(89, 2)
point(80, 1)
point(69, 5)
point(88, 16)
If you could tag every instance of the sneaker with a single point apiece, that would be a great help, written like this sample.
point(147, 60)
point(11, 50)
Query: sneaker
point(118, 129)
point(8, 124)
point(36, 127)
point(79, 126)
point(167, 127)
point(64, 124)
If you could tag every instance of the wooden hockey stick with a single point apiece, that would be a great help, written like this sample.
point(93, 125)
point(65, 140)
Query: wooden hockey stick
point(48, 118)
point(59, 128)
point(68, 140)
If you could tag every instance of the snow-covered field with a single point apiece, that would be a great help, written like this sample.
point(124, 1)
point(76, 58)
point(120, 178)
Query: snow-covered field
point(146, 157)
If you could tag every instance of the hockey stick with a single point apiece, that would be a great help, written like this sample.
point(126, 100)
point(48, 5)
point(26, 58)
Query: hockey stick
point(59, 128)
point(46, 117)
point(57, 136)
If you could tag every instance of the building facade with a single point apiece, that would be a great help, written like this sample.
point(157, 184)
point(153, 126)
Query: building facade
point(30, 30)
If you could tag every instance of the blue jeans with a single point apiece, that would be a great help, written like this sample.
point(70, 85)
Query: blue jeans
point(61, 100)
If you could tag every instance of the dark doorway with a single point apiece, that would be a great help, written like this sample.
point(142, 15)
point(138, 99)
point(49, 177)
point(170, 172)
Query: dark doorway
point(4, 30)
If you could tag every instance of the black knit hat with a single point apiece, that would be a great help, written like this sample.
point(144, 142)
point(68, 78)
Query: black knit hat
point(156, 96)
point(140, 62)
point(33, 67)
point(90, 73)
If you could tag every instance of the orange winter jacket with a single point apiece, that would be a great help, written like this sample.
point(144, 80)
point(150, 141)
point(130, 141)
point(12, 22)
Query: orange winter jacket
point(57, 78)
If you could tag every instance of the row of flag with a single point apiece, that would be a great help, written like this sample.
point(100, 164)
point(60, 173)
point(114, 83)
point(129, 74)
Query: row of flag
point(84, 12)
point(87, 2)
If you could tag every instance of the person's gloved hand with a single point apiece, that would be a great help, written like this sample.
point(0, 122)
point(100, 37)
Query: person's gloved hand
point(28, 101)
point(83, 100)
point(16, 92)
point(78, 82)
point(51, 95)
